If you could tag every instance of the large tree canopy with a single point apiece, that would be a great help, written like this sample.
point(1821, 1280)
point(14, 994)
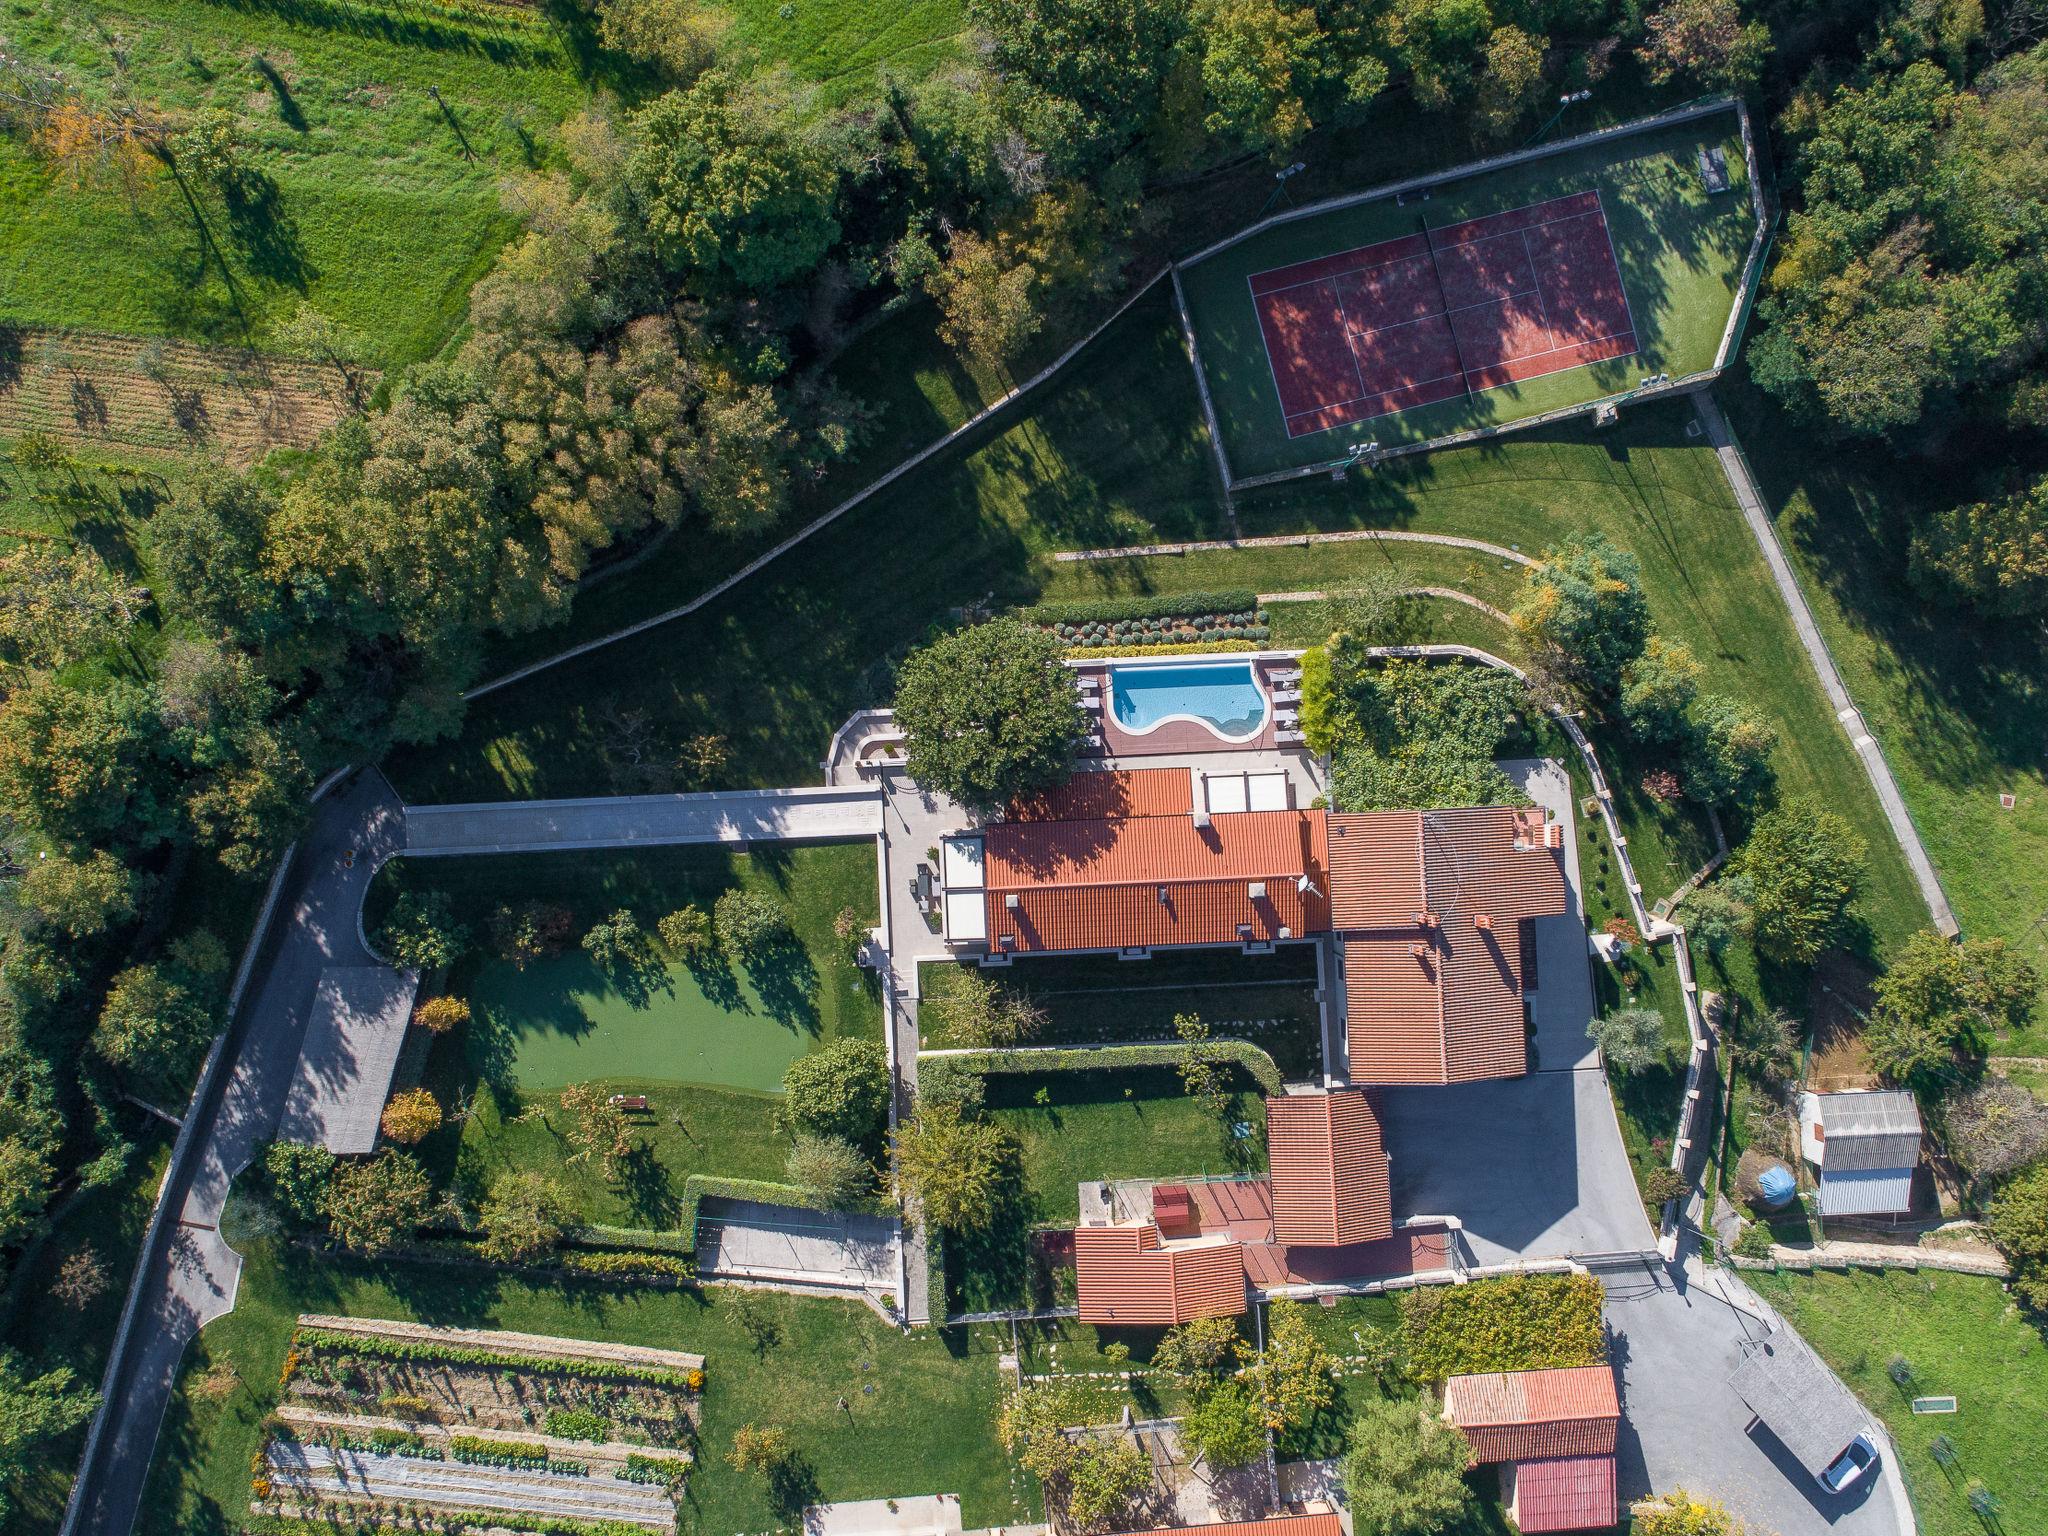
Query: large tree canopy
point(990, 713)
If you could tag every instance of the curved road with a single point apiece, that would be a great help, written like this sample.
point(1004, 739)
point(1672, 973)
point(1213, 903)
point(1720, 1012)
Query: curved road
point(189, 1276)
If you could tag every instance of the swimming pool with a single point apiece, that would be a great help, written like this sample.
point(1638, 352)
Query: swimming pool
point(1223, 695)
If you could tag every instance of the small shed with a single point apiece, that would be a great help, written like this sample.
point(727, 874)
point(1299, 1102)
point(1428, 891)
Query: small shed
point(1793, 1392)
point(1864, 1146)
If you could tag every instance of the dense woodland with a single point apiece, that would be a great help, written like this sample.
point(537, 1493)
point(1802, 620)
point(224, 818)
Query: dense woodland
point(650, 358)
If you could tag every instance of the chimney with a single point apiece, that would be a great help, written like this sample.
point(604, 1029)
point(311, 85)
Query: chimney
point(1162, 897)
point(1425, 919)
point(1483, 920)
point(1013, 901)
point(1200, 814)
point(1419, 951)
point(1256, 890)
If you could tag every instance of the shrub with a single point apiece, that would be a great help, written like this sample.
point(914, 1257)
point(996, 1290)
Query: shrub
point(530, 931)
point(832, 1170)
point(422, 932)
point(374, 1204)
point(975, 1011)
point(1679, 1513)
point(762, 1448)
point(299, 1177)
point(1512, 1323)
point(2019, 1225)
point(1996, 1128)
point(1198, 1350)
point(439, 1015)
point(959, 1169)
point(1755, 1241)
point(1405, 1469)
point(1110, 610)
point(686, 931)
point(1803, 866)
point(1662, 1184)
point(411, 1116)
point(749, 925)
point(1631, 1038)
point(662, 1265)
point(841, 1091)
point(614, 941)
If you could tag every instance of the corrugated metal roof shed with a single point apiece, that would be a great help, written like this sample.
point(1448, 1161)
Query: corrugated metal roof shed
point(1868, 1130)
point(1866, 1191)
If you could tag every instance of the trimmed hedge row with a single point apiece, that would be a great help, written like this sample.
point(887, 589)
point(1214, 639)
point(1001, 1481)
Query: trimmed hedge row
point(665, 1266)
point(382, 1347)
point(1242, 1054)
point(1140, 605)
point(667, 1471)
point(1231, 636)
point(337, 1521)
point(1193, 648)
point(511, 1455)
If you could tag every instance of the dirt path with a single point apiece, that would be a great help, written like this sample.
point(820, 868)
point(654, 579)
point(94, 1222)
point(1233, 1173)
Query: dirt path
point(164, 398)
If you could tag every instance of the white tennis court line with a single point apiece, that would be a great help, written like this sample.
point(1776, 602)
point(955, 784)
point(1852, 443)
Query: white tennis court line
point(1481, 390)
point(1564, 218)
point(1615, 256)
point(1392, 410)
point(1344, 320)
point(1536, 281)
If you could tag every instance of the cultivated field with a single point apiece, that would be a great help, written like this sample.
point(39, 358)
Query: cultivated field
point(148, 397)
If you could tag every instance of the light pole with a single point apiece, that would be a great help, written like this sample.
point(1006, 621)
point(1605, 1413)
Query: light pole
point(1280, 180)
point(1568, 100)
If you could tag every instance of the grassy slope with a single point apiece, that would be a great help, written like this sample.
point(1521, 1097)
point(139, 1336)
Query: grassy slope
point(841, 44)
point(921, 1419)
point(1680, 254)
point(703, 1047)
point(1956, 701)
point(379, 217)
point(1960, 1335)
point(779, 663)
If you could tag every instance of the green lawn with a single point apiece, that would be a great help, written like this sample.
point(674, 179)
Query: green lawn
point(1960, 1335)
point(377, 205)
point(843, 44)
point(1679, 252)
point(920, 1414)
point(1955, 700)
point(707, 1041)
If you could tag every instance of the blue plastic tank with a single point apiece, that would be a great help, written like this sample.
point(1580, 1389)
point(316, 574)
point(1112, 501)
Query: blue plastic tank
point(1778, 1185)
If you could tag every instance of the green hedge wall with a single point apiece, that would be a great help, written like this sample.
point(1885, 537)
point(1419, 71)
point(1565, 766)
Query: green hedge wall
point(1254, 1062)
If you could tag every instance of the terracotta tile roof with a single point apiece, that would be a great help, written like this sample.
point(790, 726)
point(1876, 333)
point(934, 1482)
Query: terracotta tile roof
point(1534, 1415)
point(1375, 869)
point(1454, 1012)
point(1120, 792)
point(1123, 1275)
point(1277, 1525)
point(1329, 1170)
point(1097, 884)
point(1566, 1493)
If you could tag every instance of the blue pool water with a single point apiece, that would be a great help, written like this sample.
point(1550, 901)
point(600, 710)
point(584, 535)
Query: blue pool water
point(1220, 694)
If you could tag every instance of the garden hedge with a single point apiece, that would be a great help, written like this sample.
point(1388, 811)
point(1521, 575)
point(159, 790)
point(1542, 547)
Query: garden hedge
point(1140, 605)
point(1242, 1054)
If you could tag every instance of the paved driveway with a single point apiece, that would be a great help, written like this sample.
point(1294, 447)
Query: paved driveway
point(819, 814)
point(1676, 1339)
point(747, 1239)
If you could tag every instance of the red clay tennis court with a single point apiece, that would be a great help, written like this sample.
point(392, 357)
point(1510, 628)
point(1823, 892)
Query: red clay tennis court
point(1444, 312)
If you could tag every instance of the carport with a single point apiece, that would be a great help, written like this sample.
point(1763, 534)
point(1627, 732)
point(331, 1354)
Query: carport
point(753, 1240)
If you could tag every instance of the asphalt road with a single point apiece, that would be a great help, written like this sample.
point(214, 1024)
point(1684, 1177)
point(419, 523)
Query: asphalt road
point(192, 1277)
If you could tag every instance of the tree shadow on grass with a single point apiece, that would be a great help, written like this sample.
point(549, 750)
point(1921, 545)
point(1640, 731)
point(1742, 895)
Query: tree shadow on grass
point(792, 1487)
point(787, 984)
point(267, 234)
point(716, 979)
point(648, 1189)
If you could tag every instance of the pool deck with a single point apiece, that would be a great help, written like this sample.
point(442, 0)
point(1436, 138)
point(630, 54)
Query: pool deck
point(1179, 738)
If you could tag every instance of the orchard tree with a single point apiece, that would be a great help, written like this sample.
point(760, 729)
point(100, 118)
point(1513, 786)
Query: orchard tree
point(1582, 610)
point(1292, 1379)
point(524, 1216)
point(1202, 1350)
point(2019, 1225)
point(375, 1204)
point(1938, 1000)
point(1405, 1469)
point(1630, 1038)
point(1802, 867)
point(737, 189)
point(974, 1010)
point(1226, 1425)
point(991, 713)
point(600, 1132)
point(960, 1170)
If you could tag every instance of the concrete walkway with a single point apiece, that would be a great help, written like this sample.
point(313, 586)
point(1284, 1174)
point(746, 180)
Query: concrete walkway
point(824, 814)
point(1736, 467)
point(192, 1275)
